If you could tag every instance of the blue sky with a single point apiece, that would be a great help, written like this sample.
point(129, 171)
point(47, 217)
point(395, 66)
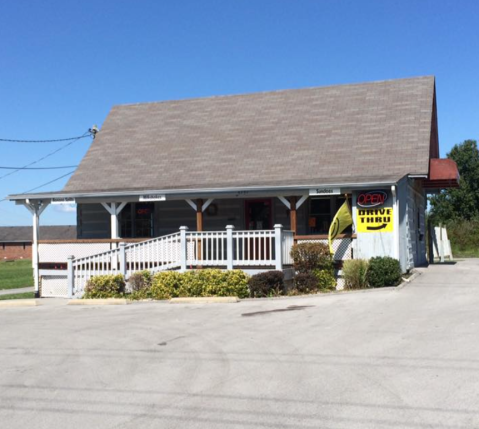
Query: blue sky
point(63, 64)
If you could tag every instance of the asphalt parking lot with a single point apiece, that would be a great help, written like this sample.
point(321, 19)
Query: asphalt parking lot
point(405, 358)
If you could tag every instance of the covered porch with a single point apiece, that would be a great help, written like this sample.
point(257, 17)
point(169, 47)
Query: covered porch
point(158, 232)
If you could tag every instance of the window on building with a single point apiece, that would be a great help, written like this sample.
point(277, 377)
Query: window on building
point(137, 220)
point(321, 214)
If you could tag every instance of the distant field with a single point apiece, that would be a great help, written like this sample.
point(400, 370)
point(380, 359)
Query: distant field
point(16, 274)
point(465, 253)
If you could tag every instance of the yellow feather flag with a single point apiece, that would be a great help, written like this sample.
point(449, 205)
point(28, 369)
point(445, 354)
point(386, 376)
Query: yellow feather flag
point(341, 221)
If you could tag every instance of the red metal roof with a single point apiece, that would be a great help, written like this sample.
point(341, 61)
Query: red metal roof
point(443, 173)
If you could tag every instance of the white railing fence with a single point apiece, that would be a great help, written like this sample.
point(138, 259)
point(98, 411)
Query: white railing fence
point(185, 250)
point(161, 253)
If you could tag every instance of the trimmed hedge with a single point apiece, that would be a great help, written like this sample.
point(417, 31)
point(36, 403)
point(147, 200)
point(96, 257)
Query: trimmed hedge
point(269, 283)
point(165, 285)
point(208, 282)
point(106, 286)
point(383, 271)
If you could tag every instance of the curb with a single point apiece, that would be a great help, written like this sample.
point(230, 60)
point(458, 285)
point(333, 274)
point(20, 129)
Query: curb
point(18, 303)
point(107, 301)
point(405, 282)
point(205, 300)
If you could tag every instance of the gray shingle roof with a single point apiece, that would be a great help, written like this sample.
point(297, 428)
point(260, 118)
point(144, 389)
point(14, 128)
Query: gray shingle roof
point(371, 132)
point(10, 234)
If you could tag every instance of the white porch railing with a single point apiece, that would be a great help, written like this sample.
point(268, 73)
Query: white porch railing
point(185, 250)
point(161, 253)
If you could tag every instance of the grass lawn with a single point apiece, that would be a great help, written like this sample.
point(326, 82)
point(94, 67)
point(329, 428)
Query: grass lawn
point(464, 253)
point(16, 274)
point(26, 295)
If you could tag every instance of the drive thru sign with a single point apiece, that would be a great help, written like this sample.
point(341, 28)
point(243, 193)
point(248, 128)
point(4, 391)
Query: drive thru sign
point(375, 220)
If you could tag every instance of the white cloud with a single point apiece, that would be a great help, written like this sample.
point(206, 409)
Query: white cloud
point(66, 208)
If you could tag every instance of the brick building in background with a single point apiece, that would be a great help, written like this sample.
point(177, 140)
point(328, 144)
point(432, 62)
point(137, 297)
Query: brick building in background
point(16, 241)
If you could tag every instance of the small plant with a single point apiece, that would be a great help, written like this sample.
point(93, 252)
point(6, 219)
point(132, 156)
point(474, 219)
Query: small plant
point(383, 271)
point(269, 283)
point(105, 286)
point(310, 256)
point(355, 274)
point(140, 284)
point(305, 283)
point(326, 279)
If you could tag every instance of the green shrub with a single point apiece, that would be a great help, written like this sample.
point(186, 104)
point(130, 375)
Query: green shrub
point(225, 283)
point(166, 284)
point(325, 278)
point(383, 271)
point(105, 286)
point(310, 256)
point(305, 283)
point(355, 273)
point(208, 282)
point(140, 284)
point(214, 282)
point(269, 283)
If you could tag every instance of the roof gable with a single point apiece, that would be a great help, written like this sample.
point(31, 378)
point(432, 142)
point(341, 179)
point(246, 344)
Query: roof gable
point(370, 132)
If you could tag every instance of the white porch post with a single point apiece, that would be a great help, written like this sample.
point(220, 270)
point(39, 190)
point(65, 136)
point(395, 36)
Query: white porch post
point(114, 222)
point(114, 209)
point(229, 246)
point(35, 256)
point(278, 246)
point(70, 276)
point(183, 248)
point(36, 209)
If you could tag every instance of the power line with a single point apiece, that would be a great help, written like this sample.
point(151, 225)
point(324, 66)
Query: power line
point(44, 141)
point(47, 155)
point(44, 184)
point(51, 181)
point(38, 168)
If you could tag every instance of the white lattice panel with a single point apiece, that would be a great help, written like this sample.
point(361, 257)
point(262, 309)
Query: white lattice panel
point(59, 252)
point(342, 247)
point(54, 287)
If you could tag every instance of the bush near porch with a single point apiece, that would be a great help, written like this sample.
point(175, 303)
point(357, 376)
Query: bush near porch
point(198, 283)
point(314, 267)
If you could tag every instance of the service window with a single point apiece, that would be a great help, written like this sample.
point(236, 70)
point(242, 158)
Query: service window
point(137, 220)
point(319, 216)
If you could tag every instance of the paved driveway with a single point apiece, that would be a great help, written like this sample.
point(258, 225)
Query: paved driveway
point(405, 358)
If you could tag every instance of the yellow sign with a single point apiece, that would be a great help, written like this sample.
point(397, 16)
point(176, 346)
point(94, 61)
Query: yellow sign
point(375, 220)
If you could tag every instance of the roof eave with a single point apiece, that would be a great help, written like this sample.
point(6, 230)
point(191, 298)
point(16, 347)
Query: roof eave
point(188, 193)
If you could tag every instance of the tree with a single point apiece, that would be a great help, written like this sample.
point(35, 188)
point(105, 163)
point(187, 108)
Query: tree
point(462, 202)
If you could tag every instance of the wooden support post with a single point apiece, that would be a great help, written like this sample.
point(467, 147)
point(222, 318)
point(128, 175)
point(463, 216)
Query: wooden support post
point(199, 214)
point(292, 215)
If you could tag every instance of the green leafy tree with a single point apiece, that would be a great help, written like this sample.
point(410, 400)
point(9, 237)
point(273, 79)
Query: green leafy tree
point(462, 202)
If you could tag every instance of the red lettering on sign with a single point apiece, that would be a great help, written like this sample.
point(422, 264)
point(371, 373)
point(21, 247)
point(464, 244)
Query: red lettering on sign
point(372, 198)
